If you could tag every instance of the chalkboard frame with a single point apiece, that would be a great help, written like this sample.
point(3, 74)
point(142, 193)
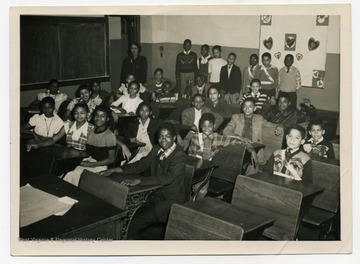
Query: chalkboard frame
point(61, 20)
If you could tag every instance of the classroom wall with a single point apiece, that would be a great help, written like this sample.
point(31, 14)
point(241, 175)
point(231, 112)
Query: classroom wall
point(240, 34)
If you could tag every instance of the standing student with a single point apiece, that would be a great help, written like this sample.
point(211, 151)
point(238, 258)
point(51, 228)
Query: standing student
point(215, 65)
point(143, 129)
point(203, 62)
point(83, 94)
point(230, 80)
point(289, 80)
point(166, 162)
point(101, 145)
point(268, 75)
point(43, 126)
point(317, 145)
point(52, 91)
point(291, 162)
point(134, 64)
point(216, 103)
point(185, 67)
point(250, 72)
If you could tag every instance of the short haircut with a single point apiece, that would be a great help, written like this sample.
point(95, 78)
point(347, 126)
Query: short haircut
point(166, 83)
point(136, 83)
point(197, 95)
point(167, 126)
point(53, 81)
point(160, 70)
point(232, 54)
point(290, 55)
point(214, 87)
point(207, 117)
point(205, 46)
point(249, 99)
point(254, 55)
point(217, 47)
point(283, 95)
point(187, 40)
point(83, 86)
point(141, 105)
point(298, 128)
point(266, 54)
point(103, 108)
point(81, 105)
point(255, 81)
point(47, 100)
point(316, 122)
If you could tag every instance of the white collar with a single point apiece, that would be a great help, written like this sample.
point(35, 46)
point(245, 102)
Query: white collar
point(255, 95)
point(312, 140)
point(198, 111)
point(292, 150)
point(187, 53)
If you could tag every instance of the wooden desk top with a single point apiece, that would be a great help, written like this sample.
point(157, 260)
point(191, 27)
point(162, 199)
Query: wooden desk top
point(307, 189)
point(118, 177)
point(249, 220)
point(199, 164)
point(60, 152)
point(88, 212)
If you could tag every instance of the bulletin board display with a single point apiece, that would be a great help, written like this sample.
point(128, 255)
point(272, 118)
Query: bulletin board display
point(64, 48)
point(304, 37)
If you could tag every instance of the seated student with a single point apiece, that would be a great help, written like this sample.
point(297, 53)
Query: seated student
point(98, 94)
point(167, 164)
point(216, 103)
point(129, 103)
point(200, 87)
point(100, 145)
point(317, 145)
point(248, 126)
point(291, 162)
point(154, 84)
point(166, 95)
point(191, 116)
point(143, 129)
point(54, 92)
point(76, 131)
point(124, 87)
point(287, 116)
point(260, 98)
point(83, 94)
point(43, 126)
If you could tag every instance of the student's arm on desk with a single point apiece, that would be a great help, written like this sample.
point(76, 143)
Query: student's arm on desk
point(47, 142)
point(278, 128)
point(125, 150)
point(104, 162)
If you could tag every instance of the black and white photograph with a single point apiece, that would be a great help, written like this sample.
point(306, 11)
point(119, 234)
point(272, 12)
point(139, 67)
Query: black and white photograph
point(181, 130)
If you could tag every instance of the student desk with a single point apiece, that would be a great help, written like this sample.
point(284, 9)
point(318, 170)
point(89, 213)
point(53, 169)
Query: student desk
point(163, 110)
point(137, 197)
point(90, 218)
point(309, 191)
point(251, 221)
point(55, 159)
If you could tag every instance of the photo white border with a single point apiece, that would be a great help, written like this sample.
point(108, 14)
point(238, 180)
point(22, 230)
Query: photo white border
point(157, 247)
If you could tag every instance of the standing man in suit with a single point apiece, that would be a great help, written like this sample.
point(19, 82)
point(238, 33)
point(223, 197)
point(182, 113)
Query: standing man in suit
point(230, 80)
point(167, 165)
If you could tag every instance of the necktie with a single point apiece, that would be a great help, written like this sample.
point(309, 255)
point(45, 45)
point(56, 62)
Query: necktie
point(252, 69)
point(287, 70)
point(207, 149)
point(288, 154)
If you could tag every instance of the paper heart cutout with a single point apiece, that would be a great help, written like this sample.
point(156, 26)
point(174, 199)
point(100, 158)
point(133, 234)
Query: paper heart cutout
point(299, 56)
point(277, 55)
point(313, 44)
point(268, 43)
point(290, 42)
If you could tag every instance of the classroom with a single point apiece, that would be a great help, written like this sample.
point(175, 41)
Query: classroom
point(180, 127)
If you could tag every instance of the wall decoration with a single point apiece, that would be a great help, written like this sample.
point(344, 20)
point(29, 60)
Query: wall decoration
point(304, 37)
point(265, 20)
point(268, 43)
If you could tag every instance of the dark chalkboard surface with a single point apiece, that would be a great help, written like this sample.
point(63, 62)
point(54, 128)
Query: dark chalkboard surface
point(65, 48)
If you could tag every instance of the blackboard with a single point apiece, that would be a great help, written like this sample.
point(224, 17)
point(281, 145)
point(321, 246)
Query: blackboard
point(64, 48)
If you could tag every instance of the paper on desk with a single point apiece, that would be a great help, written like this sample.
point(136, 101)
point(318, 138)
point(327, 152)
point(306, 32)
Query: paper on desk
point(36, 205)
point(66, 200)
point(117, 111)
